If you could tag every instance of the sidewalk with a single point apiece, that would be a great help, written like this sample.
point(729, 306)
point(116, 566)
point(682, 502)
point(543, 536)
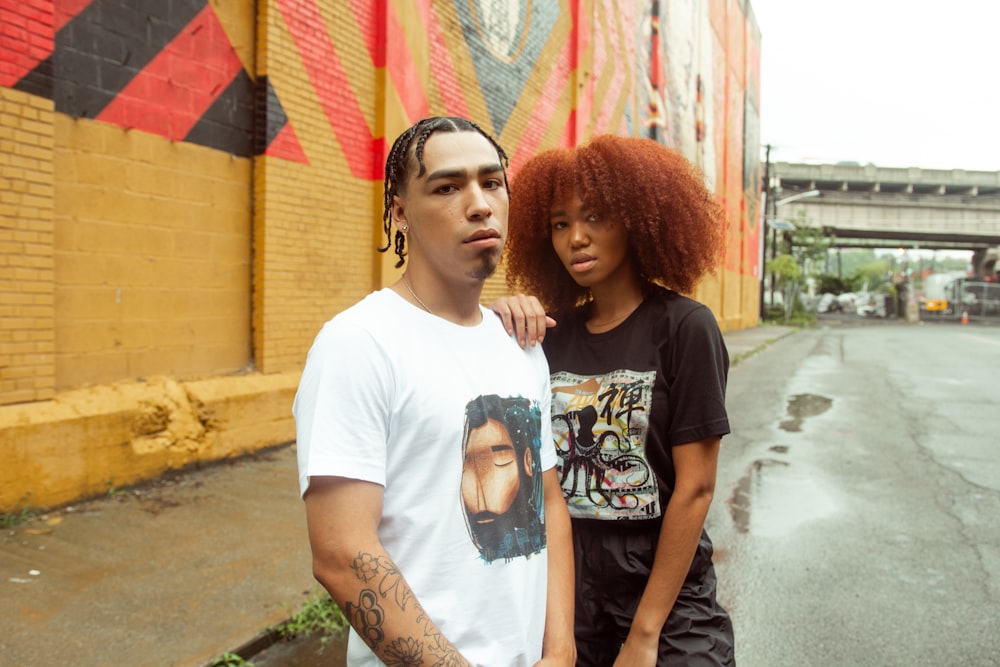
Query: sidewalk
point(174, 573)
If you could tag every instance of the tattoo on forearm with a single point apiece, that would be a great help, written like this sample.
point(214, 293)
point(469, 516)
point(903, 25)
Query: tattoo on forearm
point(367, 616)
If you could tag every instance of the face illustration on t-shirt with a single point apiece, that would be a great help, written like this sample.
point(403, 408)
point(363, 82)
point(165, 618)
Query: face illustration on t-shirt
point(501, 477)
point(600, 424)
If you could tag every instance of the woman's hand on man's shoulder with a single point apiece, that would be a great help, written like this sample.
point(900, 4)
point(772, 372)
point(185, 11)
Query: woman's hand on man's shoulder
point(524, 317)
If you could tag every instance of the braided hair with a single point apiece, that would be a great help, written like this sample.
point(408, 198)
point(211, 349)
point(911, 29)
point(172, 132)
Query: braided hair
point(398, 166)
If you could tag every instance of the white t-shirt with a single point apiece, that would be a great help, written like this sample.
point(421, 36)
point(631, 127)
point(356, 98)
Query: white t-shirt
point(383, 398)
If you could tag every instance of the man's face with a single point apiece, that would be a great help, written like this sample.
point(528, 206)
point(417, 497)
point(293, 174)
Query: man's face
point(457, 211)
point(490, 479)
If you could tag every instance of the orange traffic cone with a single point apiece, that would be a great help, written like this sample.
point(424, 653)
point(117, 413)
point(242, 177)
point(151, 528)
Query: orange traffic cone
point(965, 317)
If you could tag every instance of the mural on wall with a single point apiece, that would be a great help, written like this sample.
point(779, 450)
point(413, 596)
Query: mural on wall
point(650, 73)
point(751, 152)
point(681, 68)
point(505, 38)
point(683, 71)
point(172, 72)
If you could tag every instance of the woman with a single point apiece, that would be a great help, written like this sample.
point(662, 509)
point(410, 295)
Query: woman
point(608, 236)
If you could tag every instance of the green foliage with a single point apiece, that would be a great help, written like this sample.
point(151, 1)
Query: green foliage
point(807, 243)
point(17, 517)
point(23, 515)
point(786, 272)
point(231, 660)
point(113, 491)
point(785, 268)
point(876, 274)
point(825, 283)
point(318, 614)
point(851, 259)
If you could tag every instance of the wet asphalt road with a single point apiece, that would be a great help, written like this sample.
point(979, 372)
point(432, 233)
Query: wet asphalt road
point(856, 510)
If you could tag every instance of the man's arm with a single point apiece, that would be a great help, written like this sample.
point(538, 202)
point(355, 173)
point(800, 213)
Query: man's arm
point(350, 562)
point(559, 646)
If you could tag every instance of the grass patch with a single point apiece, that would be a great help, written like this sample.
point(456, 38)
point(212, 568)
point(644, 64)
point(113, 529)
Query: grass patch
point(319, 614)
point(17, 517)
point(24, 514)
point(231, 660)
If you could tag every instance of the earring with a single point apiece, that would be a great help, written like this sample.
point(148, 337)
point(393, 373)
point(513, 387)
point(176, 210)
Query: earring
point(404, 228)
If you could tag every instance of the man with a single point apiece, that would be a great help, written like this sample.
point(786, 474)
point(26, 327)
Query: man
point(380, 419)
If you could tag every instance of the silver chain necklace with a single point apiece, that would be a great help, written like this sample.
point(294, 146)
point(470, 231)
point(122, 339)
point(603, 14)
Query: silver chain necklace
point(406, 283)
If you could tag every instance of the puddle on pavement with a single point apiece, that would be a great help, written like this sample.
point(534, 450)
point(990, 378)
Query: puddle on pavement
point(802, 406)
point(772, 499)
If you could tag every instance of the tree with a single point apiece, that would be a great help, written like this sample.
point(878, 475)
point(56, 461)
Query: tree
point(787, 275)
point(807, 244)
point(802, 249)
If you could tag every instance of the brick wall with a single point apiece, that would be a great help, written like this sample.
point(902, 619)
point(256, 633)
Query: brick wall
point(27, 301)
point(200, 188)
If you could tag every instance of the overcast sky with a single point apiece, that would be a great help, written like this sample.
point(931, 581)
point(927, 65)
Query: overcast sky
point(896, 83)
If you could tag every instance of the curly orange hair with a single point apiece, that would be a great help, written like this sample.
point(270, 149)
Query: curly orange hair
point(674, 224)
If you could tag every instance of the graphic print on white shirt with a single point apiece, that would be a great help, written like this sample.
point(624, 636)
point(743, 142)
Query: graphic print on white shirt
point(502, 491)
point(600, 424)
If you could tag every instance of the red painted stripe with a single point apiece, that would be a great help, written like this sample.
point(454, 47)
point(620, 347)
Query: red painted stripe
point(370, 17)
point(66, 11)
point(326, 73)
point(381, 28)
point(286, 146)
point(403, 72)
point(568, 137)
point(442, 68)
point(26, 38)
point(170, 94)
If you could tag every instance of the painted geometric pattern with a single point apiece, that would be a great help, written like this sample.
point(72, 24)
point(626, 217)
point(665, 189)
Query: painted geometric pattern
point(565, 70)
point(524, 54)
point(167, 68)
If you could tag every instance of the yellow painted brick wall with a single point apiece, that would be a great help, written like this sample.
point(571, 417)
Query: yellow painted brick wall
point(314, 228)
point(152, 256)
point(27, 302)
point(184, 286)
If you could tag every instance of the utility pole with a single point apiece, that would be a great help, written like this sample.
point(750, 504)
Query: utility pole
point(766, 196)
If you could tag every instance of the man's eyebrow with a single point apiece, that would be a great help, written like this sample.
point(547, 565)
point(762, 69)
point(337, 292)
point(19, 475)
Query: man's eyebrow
point(461, 173)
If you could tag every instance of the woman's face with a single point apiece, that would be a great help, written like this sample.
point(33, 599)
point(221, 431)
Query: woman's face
point(594, 251)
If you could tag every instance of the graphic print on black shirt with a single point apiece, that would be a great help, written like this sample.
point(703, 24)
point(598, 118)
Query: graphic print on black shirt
point(600, 424)
point(502, 493)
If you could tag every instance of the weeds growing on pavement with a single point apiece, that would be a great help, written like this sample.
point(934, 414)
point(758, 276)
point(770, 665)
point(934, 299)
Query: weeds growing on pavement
point(11, 519)
point(231, 660)
point(17, 517)
point(319, 614)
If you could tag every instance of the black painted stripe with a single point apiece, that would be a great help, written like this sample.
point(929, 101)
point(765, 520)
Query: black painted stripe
point(271, 117)
point(228, 124)
point(102, 49)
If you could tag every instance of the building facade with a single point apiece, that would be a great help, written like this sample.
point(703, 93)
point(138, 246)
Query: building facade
point(189, 189)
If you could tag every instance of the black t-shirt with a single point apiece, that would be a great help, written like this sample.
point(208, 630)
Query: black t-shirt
point(621, 399)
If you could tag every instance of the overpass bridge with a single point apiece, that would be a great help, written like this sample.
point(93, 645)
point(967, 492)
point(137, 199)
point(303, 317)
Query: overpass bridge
point(870, 206)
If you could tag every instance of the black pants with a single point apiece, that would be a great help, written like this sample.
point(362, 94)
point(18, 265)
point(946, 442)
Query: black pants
point(613, 561)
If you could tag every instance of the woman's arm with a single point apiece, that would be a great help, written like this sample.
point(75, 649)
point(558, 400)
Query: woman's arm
point(683, 522)
point(349, 560)
point(523, 314)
